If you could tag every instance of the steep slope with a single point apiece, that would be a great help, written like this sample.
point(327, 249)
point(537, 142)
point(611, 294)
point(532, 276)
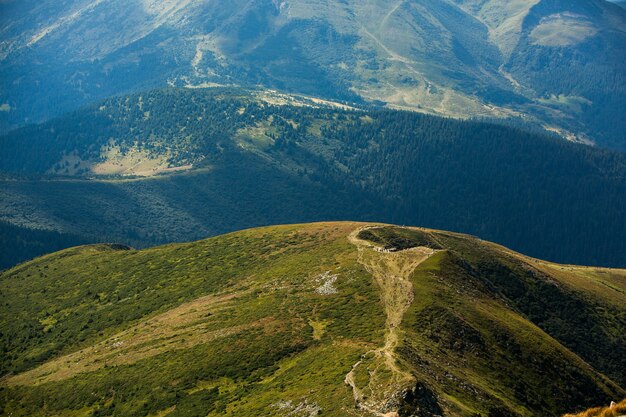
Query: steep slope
point(228, 159)
point(557, 63)
point(319, 319)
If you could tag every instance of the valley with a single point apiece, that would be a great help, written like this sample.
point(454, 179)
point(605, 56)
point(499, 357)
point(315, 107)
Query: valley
point(223, 159)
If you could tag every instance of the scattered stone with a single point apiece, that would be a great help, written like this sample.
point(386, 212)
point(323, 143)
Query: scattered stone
point(327, 281)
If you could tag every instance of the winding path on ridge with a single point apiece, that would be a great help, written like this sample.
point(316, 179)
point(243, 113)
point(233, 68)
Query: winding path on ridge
point(391, 12)
point(386, 380)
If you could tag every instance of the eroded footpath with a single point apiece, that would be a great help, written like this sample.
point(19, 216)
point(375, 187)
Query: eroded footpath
point(378, 380)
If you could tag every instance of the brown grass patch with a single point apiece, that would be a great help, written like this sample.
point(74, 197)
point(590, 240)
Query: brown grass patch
point(616, 410)
point(185, 326)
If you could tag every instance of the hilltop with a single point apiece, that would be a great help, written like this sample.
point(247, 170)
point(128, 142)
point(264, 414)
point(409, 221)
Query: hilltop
point(318, 319)
point(179, 165)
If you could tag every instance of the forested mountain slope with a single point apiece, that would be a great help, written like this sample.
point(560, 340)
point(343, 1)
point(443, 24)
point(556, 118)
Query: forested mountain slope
point(552, 62)
point(177, 164)
point(321, 319)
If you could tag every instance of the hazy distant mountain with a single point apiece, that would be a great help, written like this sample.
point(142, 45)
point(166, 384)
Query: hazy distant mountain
point(556, 62)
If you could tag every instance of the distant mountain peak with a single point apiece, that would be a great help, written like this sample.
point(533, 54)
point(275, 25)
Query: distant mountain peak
point(462, 58)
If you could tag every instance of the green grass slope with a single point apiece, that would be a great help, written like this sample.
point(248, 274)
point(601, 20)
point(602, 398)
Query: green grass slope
point(319, 319)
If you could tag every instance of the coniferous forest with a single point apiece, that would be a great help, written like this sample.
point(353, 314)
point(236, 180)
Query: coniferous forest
point(255, 163)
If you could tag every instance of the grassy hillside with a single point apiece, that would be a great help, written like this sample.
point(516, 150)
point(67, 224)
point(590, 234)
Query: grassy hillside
point(317, 319)
point(218, 160)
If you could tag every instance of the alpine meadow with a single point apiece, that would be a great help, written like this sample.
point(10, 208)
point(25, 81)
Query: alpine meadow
point(299, 208)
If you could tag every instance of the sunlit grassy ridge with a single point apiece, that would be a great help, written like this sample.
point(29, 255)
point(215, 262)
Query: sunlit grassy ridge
point(614, 410)
point(303, 320)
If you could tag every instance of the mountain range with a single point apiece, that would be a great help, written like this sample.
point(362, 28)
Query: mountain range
point(553, 63)
point(300, 208)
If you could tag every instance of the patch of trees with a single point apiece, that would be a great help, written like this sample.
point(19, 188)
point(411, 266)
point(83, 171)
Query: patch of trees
point(19, 244)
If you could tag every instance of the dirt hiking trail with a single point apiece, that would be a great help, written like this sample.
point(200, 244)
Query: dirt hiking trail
point(377, 380)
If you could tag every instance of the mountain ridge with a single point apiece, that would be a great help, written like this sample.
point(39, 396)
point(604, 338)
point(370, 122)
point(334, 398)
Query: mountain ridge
point(320, 307)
